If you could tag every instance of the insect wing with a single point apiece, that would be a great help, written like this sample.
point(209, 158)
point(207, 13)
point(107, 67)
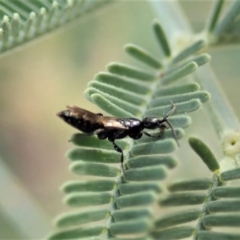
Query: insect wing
point(79, 112)
point(111, 122)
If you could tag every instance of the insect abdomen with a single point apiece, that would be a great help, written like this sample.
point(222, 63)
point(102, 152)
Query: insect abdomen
point(79, 122)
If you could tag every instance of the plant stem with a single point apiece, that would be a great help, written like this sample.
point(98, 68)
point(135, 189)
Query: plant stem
point(219, 110)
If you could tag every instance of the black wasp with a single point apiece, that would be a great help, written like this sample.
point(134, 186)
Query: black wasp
point(113, 128)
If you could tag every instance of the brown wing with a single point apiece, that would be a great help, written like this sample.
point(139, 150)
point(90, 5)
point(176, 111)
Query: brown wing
point(112, 122)
point(107, 122)
point(82, 113)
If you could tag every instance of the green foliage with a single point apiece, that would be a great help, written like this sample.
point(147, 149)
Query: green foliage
point(123, 203)
point(205, 153)
point(126, 91)
point(226, 29)
point(24, 21)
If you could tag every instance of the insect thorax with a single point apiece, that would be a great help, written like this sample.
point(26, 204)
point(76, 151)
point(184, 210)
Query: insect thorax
point(150, 122)
point(131, 123)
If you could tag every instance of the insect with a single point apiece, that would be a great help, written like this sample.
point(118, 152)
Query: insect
point(113, 128)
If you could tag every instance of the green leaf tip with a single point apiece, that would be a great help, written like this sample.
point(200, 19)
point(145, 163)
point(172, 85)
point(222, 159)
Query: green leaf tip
point(131, 72)
point(6, 30)
point(210, 235)
point(152, 173)
point(87, 199)
point(202, 59)
point(130, 227)
point(182, 108)
point(76, 233)
point(229, 175)
point(190, 185)
point(203, 96)
point(100, 185)
point(223, 220)
point(214, 16)
point(108, 106)
point(94, 169)
point(80, 217)
point(131, 214)
point(143, 56)
point(174, 233)
point(110, 92)
point(136, 199)
point(121, 81)
point(222, 206)
point(182, 199)
point(179, 73)
point(204, 153)
point(135, 187)
point(15, 26)
point(178, 89)
point(93, 155)
point(152, 160)
point(164, 146)
point(176, 218)
point(161, 38)
point(190, 50)
point(226, 192)
point(182, 121)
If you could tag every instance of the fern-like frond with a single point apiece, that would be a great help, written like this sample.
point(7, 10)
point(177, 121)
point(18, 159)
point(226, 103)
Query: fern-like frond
point(26, 20)
point(127, 91)
point(224, 28)
point(217, 203)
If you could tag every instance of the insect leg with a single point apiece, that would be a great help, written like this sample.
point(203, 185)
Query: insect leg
point(161, 127)
point(173, 131)
point(101, 133)
point(171, 111)
point(136, 135)
point(118, 149)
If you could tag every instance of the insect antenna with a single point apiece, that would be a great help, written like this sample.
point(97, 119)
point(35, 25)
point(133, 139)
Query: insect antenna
point(165, 119)
point(173, 131)
point(171, 111)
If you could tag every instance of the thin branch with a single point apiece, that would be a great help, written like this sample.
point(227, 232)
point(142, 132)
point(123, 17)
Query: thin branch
point(219, 109)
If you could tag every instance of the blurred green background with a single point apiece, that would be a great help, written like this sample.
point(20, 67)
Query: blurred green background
point(40, 79)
